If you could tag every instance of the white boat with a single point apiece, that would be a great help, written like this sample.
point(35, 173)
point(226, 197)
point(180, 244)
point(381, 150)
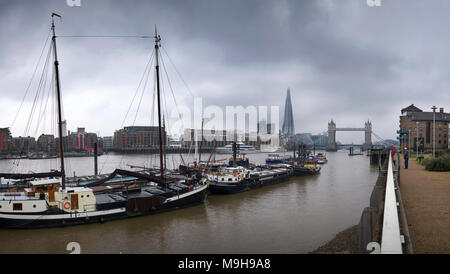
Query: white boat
point(272, 149)
point(46, 201)
point(241, 149)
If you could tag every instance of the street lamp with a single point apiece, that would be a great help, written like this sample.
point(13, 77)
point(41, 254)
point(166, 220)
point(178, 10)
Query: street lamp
point(409, 140)
point(434, 130)
point(417, 139)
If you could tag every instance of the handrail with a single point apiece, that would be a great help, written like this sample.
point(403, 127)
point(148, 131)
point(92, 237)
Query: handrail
point(391, 238)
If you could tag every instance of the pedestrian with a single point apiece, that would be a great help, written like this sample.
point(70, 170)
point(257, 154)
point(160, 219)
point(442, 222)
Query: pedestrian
point(406, 157)
point(393, 154)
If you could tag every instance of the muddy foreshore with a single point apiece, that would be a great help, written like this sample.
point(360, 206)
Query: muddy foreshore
point(345, 242)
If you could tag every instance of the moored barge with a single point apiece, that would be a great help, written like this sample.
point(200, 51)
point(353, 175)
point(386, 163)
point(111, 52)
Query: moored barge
point(237, 179)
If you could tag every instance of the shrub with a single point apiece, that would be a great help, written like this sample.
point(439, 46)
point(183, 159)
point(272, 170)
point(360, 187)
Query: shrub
point(438, 164)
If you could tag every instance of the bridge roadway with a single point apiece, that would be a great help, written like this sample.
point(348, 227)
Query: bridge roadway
point(350, 129)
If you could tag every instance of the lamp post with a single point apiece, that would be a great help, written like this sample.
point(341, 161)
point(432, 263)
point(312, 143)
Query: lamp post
point(409, 140)
point(434, 130)
point(417, 139)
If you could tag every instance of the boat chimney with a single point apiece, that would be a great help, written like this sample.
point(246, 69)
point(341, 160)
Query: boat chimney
point(95, 159)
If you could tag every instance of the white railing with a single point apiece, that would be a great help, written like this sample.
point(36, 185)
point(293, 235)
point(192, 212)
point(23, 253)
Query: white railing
point(391, 242)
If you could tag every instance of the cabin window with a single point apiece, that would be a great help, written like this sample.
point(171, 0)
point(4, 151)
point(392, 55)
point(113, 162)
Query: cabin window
point(82, 196)
point(0, 206)
point(34, 206)
point(230, 179)
point(17, 206)
point(87, 196)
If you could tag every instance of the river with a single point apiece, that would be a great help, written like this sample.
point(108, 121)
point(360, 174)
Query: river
point(295, 216)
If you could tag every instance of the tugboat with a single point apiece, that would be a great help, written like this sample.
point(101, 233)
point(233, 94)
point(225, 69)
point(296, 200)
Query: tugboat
point(241, 160)
point(48, 202)
point(305, 165)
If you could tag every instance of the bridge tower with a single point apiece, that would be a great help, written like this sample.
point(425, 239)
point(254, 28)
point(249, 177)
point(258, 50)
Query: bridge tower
point(331, 146)
point(367, 136)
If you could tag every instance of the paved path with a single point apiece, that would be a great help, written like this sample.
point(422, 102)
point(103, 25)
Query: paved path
point(426, 199)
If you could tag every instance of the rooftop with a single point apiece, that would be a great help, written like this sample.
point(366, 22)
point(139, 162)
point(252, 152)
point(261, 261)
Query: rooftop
point(428, 116)
point(411, 108)
point(45, 182)
point(141, 128)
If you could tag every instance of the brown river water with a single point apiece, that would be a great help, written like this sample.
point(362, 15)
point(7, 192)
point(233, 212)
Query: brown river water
point(295, 216)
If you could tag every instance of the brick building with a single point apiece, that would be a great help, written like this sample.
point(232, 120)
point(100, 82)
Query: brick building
point(5, 138)
point(23, 145)
point(419, 127)
point(46, 143)
point(138, 137)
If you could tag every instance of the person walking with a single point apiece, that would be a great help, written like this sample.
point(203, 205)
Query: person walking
point(393, 154)
point(406, 157)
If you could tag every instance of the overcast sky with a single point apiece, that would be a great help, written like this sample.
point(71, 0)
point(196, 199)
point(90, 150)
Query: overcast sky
point(342, 60)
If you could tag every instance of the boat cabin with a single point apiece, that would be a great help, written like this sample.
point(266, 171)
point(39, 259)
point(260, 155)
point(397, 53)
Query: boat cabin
point(41, 187)
point(70, 199)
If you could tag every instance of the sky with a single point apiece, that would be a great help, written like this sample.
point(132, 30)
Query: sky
point(342, 60)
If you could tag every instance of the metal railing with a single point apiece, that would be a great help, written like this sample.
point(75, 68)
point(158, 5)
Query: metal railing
point(391, 239)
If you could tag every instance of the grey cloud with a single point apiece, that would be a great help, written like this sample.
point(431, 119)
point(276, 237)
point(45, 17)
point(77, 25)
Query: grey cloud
point(341, 59)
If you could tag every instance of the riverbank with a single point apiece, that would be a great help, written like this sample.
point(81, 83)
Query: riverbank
point(345, 242)
point(426, 199)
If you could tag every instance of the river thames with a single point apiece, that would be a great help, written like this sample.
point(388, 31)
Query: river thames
point(295, 216)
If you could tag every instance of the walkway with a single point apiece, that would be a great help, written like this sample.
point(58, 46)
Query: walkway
point(426, 199)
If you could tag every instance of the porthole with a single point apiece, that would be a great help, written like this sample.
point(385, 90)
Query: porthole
point(87, 196)
point(34, 206)
point(82, 196)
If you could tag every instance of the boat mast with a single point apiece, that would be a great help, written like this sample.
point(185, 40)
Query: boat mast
point(196, 145)
point(58, 92)
point(157, 45)
point(200, 149)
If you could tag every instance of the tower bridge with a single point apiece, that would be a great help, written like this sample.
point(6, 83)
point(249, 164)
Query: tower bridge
point(332, 146)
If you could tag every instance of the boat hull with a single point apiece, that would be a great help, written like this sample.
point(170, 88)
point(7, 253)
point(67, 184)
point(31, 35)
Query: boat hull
point(44, 220)
point(231, 188)
point(305, 171)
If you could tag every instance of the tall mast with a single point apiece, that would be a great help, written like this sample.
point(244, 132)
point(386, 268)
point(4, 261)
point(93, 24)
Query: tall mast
point(157, 45)
point(196, 145)
point(201, 143)
point(58, 92)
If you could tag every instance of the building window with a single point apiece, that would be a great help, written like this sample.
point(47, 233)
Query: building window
point(17, 206)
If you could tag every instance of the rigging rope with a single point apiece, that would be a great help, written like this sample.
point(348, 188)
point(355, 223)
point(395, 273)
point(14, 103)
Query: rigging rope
point(146, 71)
point(179, 74)
point(32, 78)
point(105, 36)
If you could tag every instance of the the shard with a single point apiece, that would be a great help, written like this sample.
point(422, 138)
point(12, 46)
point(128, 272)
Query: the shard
point(288, 121)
